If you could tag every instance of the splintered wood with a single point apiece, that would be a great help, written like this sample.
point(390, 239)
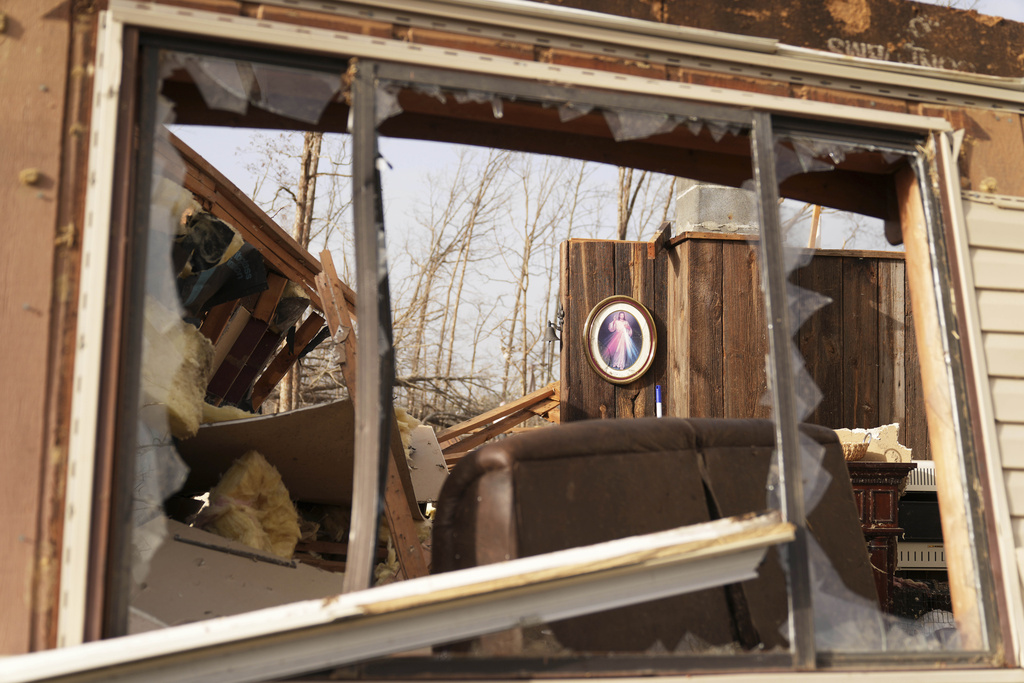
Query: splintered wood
point(541, 403)
point(400, 506)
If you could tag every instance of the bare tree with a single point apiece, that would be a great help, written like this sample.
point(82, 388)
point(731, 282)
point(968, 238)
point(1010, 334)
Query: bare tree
point(304, 205)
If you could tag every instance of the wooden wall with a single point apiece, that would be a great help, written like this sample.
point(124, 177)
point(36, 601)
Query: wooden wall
point(591, 271)
point(712, 335)
point(34, 48)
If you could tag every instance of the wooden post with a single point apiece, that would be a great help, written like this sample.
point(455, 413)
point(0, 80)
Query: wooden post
point(399, 504)
point(939, 411)
point(814, 240)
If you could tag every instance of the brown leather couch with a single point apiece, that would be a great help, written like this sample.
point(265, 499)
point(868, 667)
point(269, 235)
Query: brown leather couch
point(592, 481)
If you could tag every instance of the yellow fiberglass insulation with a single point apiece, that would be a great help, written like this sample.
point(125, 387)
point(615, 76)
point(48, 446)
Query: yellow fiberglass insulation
point(212, 413)
point(406, 423)
point(177, 362)
point(250, 504)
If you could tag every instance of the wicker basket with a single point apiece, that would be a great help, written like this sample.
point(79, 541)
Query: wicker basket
point(854, 451)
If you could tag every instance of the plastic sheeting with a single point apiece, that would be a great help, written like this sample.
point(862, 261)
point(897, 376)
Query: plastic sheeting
point(632, 125)
point(234, 86)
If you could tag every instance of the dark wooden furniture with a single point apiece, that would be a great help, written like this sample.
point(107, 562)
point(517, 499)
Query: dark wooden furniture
point(876, 490)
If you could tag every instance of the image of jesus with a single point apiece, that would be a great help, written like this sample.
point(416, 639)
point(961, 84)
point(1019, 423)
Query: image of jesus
point(619, 350)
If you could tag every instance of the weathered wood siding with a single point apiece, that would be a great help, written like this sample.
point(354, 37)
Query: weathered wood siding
point(593, 270)
point(859, 349)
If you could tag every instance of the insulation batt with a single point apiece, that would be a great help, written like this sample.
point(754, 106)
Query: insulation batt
point(251, 505)
point(406, 423)
point(177, 362)
point(212, 413)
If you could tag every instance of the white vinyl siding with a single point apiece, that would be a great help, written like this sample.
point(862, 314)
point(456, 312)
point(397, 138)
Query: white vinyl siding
point(995, 232)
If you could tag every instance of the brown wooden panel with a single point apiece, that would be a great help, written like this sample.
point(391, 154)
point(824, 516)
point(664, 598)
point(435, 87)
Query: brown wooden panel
point(236, 359)
point(591, 278)
point(914, 431)
point(285, 358)
point(860, 343)
point(820, 339)
point(992, 148)
point(659, 369)
point(34, 55)
point(744, 332)
point(704, 323)
point(677, 361)
point(634, 276)
point(217, 320)
point(255, 362)
point(892, 390)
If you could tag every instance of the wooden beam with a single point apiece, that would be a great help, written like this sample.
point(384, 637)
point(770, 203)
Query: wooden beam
point(284, 359)
point(267, 303)
point(660, 239)
point(814, 239)
point(339, 297)
point(501, 411)
point(939, 410)
point(400, 507)
point(217, 319)
point(501, 426)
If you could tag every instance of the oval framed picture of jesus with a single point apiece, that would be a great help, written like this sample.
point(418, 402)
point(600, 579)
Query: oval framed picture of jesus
point(621, 339)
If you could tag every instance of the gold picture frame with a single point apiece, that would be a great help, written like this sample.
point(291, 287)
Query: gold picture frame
point(621, 339)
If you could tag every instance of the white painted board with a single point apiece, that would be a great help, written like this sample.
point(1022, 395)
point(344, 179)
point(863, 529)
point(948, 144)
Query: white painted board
point(426, 464)
point(998, 269)
point(1004, 354)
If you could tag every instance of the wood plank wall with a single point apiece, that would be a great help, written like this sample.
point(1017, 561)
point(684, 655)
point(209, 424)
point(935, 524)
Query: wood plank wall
point(593, 270)
point(707, 300)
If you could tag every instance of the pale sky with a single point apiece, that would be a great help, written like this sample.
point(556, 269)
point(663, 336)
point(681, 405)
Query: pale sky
point(1009, 9)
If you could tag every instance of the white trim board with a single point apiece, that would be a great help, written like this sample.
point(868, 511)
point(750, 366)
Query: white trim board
point(301, 38)
point(317, 634)
point(618, 37)
point(74, 562)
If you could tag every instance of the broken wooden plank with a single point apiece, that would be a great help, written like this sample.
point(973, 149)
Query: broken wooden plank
point(939, 410)
point(217, 319)
point(332, 290)
point(543, 408)
point(660, 239)
point(267, 303)
point(499, 412)
point(462, 446)
point(284, 359)
point(400, 506)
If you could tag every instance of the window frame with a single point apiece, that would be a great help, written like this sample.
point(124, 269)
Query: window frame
point(121, 16)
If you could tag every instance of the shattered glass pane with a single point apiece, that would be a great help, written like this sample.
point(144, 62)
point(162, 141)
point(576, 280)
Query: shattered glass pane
point(631, 125)
point(231, 85)
point(387, 102)
point(573, 110)
point(848, 319)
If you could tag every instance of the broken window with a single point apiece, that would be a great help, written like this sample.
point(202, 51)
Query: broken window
point(191, 254)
